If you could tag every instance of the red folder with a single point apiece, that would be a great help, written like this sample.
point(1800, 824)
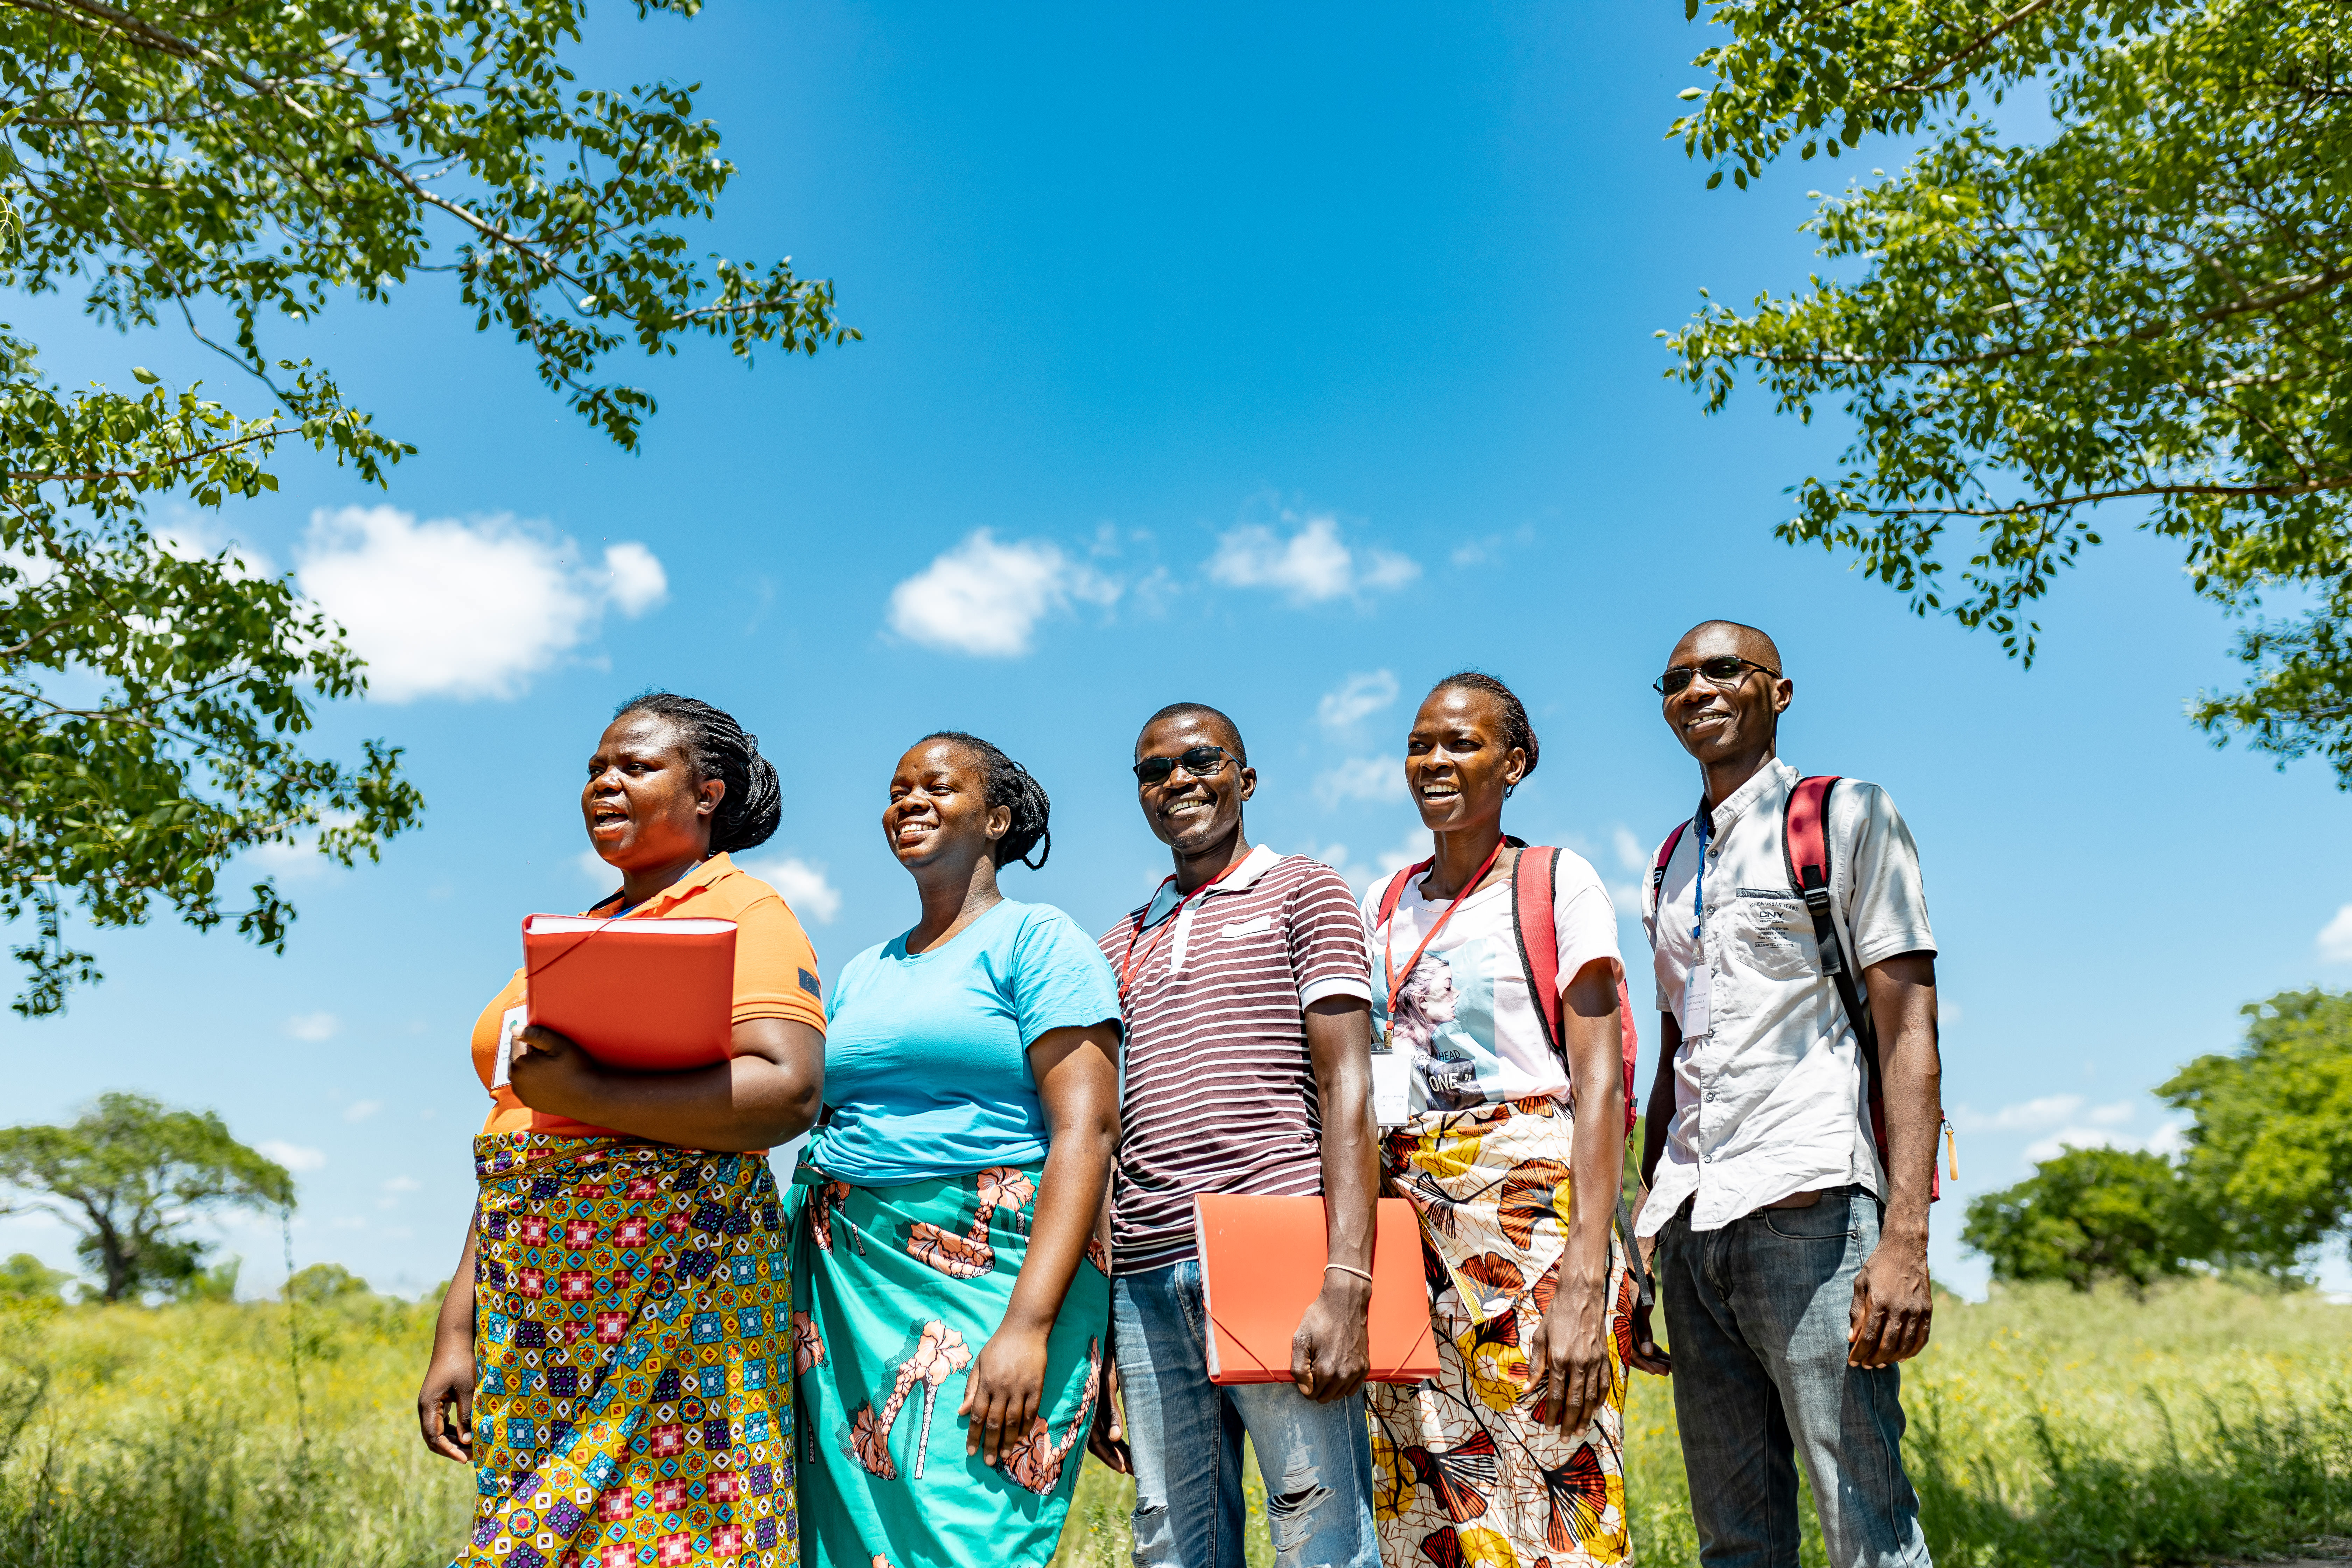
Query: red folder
point(654, 996)
point(1262, 1266)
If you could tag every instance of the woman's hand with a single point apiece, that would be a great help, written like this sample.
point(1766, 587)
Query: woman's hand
point(549, 1073)
point(1001, 1394)
point(1567, 1365)
point(448, 1381)
point(1108, 1440)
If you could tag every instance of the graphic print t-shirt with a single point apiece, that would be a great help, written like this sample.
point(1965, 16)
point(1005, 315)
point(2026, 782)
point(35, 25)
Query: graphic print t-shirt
point(1465, 1020)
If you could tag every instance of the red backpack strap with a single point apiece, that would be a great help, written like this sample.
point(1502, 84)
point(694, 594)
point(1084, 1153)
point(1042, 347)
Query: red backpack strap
point(1394, 891)
point(1534, 881)
point(1665, 856)
point(1805, 843)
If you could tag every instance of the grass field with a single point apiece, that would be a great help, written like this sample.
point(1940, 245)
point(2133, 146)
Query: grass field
point(2046, 1428)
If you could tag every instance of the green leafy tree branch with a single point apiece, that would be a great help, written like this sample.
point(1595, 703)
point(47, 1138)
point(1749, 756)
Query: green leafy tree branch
point(229, 168)
point(2150, 307)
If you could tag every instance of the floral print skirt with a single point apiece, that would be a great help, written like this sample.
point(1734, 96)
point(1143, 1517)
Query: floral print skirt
point(1464, 1477)
point(897, 1290)
point(631, 1403)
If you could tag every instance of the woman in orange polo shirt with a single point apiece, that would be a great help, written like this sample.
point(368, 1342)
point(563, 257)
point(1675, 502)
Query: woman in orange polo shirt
point(614, 1346)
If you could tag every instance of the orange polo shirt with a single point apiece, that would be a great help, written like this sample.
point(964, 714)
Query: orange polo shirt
point(775, 975)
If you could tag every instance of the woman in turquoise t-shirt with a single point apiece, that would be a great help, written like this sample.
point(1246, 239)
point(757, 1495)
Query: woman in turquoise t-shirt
point(971, 1107)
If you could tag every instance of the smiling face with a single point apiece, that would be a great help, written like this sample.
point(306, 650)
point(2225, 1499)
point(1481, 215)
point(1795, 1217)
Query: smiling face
point(642, 803)
point(1718, 724)
point(1457, 762)
point(939, 808)
point(1193, 815)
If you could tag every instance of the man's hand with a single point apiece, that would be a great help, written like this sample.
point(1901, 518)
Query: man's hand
point(1892, 1304)
point(1646, 1354)
point(549, 1072)
point(1108, 1440)
point(1332, 1350)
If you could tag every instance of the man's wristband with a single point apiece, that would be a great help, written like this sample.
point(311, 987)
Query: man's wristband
point(1363, 1274)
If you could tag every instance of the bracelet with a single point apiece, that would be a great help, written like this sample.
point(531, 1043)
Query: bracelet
point(1363, 1274)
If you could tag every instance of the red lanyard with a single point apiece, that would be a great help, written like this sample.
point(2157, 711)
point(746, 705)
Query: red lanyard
point(1126, 969)
point(1387, 937)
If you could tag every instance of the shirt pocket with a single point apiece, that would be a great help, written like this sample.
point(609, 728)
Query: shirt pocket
point(1772, 933)
point(1235, 929)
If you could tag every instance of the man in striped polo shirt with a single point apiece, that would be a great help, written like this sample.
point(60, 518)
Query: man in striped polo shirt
point(1244, 990)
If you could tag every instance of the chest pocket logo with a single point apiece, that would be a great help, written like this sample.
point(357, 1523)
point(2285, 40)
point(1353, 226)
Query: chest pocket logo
point(1772, 933)
point(1257, 927)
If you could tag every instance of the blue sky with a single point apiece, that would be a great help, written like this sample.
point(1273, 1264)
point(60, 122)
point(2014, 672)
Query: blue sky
point(1278, 361)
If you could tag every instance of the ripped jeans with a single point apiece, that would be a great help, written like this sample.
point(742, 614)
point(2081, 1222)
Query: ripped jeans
point(1187, 1437)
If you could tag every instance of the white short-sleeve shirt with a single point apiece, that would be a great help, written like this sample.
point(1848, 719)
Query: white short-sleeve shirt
point(1465, 1017)
point(1769, 1101)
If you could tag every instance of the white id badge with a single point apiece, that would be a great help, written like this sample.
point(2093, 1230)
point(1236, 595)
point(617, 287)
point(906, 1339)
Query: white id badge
point(511, 1022)
point(1698, 992)
point(1391, 1089)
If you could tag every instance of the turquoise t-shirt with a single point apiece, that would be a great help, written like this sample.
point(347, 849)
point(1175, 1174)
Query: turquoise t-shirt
point(926, 1054)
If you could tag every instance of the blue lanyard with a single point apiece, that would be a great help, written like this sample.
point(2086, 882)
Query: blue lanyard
point(1698, 887)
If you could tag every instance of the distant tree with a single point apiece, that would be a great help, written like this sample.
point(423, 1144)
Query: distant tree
point(26, 1278)
point(2139, 313)
point(216, 1283)
point(231, 168)
point(2270, 1147)
point(323, 1284)
point(129, 1175)
point(2086, 1216)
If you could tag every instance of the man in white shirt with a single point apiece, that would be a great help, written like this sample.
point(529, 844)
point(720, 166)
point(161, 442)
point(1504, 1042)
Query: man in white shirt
point(1791, 1254)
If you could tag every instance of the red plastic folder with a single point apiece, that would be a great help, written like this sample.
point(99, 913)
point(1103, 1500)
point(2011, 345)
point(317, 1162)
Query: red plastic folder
point(653, 996)
point(1262, 1266)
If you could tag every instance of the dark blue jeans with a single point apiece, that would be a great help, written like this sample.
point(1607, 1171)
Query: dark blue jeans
point(1186, 1433)
point(1757, 1315)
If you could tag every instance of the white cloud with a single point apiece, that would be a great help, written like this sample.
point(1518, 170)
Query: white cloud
point(445, 608)
point(2113, 1115)
point(593, 866)
point(1361, 778)
point(402, 1185)
point(2336, 938)
point(293, 1156)
point(360, 1110)
point(314, 1027)
point(1309, 567)
point(299, 857)
point(2050, 1148)
point(1413, 849)
point(985, 598)
point(1630, 852)
point(802, 886)
point(2026, 1116)
point(1359, 697)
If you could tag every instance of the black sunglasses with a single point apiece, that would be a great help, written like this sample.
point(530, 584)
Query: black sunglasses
point(1199, 762)
point(1722, 672)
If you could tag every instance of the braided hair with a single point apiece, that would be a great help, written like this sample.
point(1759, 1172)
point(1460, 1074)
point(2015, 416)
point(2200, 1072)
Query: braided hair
point(1007, 784)
point(717, 747)
point(1516, 731)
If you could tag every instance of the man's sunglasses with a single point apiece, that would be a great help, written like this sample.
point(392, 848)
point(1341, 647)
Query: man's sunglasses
point(1723, 672)
point(1199, 762)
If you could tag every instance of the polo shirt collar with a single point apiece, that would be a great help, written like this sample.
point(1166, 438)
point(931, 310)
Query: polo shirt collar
point(1253, 864)
point(704, 875)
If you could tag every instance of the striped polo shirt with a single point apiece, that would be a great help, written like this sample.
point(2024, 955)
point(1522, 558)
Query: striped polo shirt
point(1219, 1092)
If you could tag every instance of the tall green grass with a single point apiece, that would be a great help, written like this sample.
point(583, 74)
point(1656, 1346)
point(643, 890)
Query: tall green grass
point(2046, 1428)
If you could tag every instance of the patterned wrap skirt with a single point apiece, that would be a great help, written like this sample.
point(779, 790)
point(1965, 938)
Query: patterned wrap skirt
point(1464, 1477)
point(897, 1290)
point(632, 1402)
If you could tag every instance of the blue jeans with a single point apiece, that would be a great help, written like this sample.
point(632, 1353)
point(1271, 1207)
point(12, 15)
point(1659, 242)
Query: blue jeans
point(1186, 1433)
point(1755, 1316)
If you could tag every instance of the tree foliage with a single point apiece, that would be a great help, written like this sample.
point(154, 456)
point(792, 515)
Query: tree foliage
point(2270, 1148)
point(2086, 1216)
point(2149, 306)
point(130, 1175)
point(230, 169)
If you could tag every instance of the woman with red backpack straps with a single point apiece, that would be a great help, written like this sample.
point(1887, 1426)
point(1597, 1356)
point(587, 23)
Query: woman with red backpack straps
point(1511, 1151)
